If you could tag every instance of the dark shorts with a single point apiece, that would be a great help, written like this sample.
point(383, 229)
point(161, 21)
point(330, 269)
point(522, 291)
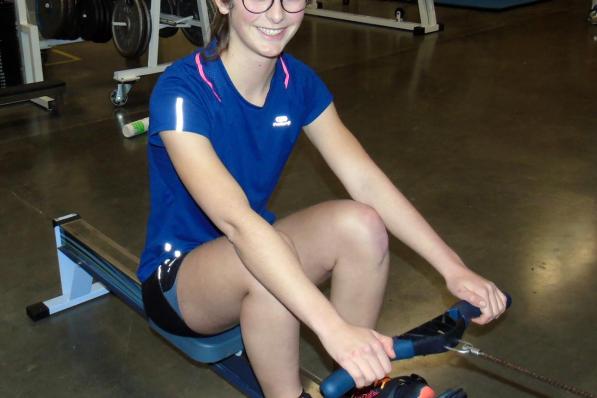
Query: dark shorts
point(161, 302)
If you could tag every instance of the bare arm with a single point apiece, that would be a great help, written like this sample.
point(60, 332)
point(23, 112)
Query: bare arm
point(262, 250)
point(366, 183)
point(363, 352)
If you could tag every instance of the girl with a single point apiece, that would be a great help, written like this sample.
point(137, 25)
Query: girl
point(223, 123)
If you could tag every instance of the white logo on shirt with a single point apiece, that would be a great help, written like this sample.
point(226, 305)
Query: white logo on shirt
point(281, 121)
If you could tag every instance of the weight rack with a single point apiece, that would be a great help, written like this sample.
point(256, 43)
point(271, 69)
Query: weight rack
point(30, 47)
point(127, 77)
point(427, 14)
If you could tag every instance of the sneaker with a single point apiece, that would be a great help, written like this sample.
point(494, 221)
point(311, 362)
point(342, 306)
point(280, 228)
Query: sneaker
point(412, 386)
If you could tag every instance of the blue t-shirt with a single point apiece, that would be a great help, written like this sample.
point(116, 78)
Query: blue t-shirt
point(254, 143)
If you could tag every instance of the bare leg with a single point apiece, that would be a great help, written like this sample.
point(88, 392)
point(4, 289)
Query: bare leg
point(341, 239)
point(356, 251)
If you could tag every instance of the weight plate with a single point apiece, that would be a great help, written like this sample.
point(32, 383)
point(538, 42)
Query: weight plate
point(167, 7)
point(104, 30)
point(72, 28)
point(100, 20)
point(185, 8)
point(87, 18)
point(130, 27)
point(51, 17)
point(109, 4)
point(147, 20)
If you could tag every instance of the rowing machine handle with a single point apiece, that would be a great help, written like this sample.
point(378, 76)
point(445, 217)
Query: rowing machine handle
point(468, 311)
point(340, 382)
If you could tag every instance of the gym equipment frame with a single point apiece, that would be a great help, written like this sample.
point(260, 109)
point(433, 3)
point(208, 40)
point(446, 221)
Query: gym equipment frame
point(428, 22)
point(30, 47)
point(126, 78)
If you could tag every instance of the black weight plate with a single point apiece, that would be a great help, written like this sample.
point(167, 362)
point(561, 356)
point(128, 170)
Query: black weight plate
point(100, 20)
point(147, 21)
point(51, 17)
point(130, 39)
point(68, 29)
point(72, 29)
point(185, 8)
point(109, 5)
point(87, 18)
point(66, 24)
point(104, 31)
point(167, 7)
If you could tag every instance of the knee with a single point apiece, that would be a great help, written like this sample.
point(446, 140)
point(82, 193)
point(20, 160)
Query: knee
point(363, 227)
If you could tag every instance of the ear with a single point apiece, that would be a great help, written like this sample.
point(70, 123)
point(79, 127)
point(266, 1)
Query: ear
point(223, 6)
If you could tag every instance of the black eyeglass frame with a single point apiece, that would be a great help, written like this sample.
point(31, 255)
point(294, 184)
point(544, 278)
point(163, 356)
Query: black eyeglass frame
point(271, 5)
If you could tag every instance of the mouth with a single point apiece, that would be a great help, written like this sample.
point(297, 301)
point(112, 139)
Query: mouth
point(271, 33)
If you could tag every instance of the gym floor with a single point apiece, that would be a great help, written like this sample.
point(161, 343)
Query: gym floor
point(489, 127)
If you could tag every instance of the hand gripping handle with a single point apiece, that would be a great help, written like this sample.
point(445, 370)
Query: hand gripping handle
point(468, 311)
point(340, 382)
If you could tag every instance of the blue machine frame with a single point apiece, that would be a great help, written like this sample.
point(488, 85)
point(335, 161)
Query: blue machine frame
point(92, 265)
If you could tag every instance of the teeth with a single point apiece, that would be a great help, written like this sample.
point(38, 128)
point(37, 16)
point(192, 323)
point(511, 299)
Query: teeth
point(270, 32)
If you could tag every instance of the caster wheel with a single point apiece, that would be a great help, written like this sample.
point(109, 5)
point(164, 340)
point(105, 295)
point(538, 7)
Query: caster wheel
point(116, 100)
point(399, 14)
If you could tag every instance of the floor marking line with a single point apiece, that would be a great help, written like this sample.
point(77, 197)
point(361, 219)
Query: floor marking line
point(71, 58)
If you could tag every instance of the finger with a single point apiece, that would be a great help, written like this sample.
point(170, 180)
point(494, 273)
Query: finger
point(475, 299)
point(355, 372)
point(382, 360)
point(490, 309)
point(375, 357)
point(481, 320)
point(483, 304)
point(484, 319)
point(387, 344)
point(376, 365)
point(369, 373)
point(498, 301)
point(493, 300)
point(504, 299)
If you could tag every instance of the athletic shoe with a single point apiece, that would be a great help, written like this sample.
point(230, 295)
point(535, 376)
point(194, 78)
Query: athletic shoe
point(412, 386)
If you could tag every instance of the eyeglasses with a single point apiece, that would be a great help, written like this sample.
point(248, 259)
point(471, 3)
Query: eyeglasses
point(261, 6)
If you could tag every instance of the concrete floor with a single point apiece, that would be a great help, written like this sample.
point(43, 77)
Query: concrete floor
point(488, 127)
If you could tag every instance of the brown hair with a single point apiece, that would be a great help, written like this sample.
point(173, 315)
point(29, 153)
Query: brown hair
point(220, 29)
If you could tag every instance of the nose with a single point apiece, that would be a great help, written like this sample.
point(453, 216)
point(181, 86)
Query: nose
point(276, 13)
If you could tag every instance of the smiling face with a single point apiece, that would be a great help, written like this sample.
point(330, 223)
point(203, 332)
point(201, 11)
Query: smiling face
point(264, 34)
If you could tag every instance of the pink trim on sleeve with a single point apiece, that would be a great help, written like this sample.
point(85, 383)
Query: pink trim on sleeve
point(205, 79)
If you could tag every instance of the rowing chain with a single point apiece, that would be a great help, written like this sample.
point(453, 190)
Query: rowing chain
point(468, 348)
